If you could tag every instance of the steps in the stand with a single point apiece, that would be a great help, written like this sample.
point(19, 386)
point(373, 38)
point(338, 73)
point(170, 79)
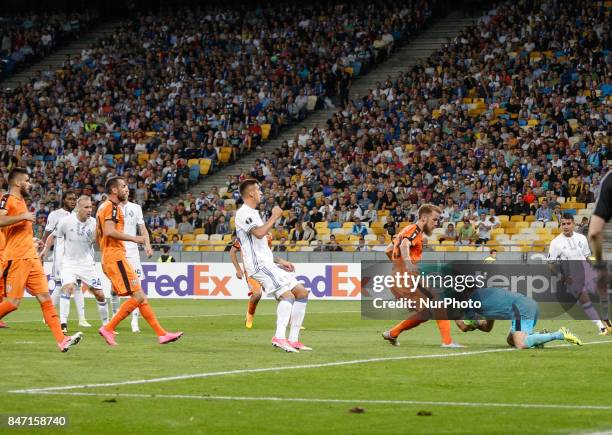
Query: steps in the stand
point(401, 61)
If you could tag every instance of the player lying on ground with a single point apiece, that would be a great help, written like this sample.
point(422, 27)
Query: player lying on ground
point(406, 252)
point(78, 232)
point(567, 255)
point(498, 303)
point(273, 274)
point(53, 220)
point(23, 267)
point(125, 282)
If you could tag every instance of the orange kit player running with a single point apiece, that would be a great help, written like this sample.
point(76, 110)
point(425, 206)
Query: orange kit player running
point(255, 290)
point(125, 282)
point(23, 267)
point(405, 251)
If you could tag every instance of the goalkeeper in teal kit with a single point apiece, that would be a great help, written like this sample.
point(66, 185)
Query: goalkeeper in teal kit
point(497, 303)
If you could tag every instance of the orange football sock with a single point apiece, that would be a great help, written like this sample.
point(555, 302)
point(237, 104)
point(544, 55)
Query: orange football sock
point(124, 310)
point(52, 320)
point(252, 307)
point(6, 307)
point(445, 334)
point(147, 312)
point(404, 325)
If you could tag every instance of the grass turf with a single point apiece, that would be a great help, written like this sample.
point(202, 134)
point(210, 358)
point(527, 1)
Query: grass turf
point(216, 341)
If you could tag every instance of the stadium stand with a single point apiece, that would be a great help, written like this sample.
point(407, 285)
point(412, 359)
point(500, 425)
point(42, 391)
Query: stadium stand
point(26, 39)
point(498, 122)
point(510, 118)
point(170, 98)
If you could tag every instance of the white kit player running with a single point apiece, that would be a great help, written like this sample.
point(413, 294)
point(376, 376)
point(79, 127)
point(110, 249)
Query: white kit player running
point(273, 274)
point(78, 232)
point(134, 224)
point(572, 250)
point(54, 218)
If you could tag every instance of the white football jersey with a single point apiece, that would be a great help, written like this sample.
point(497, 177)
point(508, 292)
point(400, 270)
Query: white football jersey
point(575, 247)
point(79, 238)
point(255, 252)
point(132, 215)
point(53, 221)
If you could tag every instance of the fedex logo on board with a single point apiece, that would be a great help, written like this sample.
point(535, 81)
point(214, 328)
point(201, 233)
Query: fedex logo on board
point(198, 281)
point(335, 282)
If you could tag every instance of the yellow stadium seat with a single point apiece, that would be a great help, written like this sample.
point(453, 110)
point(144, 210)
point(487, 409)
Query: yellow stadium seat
point(520, 225)
point(503, 218)
point(348, 225)
point(143, 158)
point(530, 218)
point(516, 218)
point(512, 231)
point(265, 131)
point(205, 165)
point(198, 231)
point(225, 154)
point(507, 224)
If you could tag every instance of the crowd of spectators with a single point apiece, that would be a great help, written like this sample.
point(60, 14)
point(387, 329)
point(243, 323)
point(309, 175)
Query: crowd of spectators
point(25, 39)
point(509, 118)
point(165, 89)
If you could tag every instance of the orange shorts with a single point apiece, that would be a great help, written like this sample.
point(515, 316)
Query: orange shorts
point(122, 276)
point(24, 273)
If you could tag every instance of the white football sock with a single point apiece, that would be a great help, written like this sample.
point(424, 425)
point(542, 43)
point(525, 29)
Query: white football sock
point(79, 301)
point(135, 316)
point(56, 295)
point(297, 318)
point(64, 308)
point(115, 303)
point(283, 312)
point(103, 311)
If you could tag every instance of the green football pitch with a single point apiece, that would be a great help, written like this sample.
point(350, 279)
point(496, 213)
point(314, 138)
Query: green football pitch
point(223, 378)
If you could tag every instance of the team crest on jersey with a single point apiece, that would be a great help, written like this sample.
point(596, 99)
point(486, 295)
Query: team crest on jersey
point(131, 213)
point(249, 221)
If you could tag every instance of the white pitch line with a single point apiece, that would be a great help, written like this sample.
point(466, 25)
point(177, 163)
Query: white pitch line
point(206, 315)
point(349, 401)
point(273, 369)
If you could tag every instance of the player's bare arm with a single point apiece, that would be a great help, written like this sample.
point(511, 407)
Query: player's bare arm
point(48, 244)
point(6, 221)
point(596, 228)
point(288, 266)
point(234, 257)
point(142, 229)
point(262, 231)
point(111, 231)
